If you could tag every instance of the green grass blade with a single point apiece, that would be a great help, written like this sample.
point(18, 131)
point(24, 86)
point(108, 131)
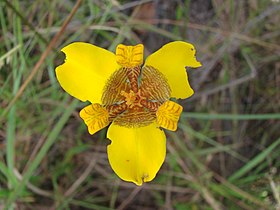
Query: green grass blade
point(10, 146)
point(254, 162)
point(42, 153)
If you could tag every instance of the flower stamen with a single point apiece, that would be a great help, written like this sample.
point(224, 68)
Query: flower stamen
point(130, 98)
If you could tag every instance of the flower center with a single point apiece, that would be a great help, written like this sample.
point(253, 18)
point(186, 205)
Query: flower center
point(133, 101)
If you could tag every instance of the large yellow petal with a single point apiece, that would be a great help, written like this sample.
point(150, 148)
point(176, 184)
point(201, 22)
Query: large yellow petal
point(86, 70)
point(171, 60)
point(136, 154)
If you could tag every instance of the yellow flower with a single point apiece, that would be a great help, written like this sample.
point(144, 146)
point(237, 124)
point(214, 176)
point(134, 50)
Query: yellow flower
point(131, 96)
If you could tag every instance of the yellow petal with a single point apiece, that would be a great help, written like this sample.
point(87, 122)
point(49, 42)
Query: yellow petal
point(86, 70)
point(171, 60)
point(130, 56)
point(136, 154)
point(95, 117)
point(168, 115)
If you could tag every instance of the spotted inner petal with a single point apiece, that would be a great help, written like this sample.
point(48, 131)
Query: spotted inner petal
point(129, 56)
point(154, 85)
point(168, 115)
point(95, 117)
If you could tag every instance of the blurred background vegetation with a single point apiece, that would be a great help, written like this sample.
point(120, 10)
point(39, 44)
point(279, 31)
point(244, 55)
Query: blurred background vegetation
point(225, 154)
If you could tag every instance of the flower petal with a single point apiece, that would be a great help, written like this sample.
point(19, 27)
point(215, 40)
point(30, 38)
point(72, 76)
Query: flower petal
point(136, 154)
point(168, 115)
point(95, 117)
point(171, 60)
point(86, 70)
point(130, 56)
